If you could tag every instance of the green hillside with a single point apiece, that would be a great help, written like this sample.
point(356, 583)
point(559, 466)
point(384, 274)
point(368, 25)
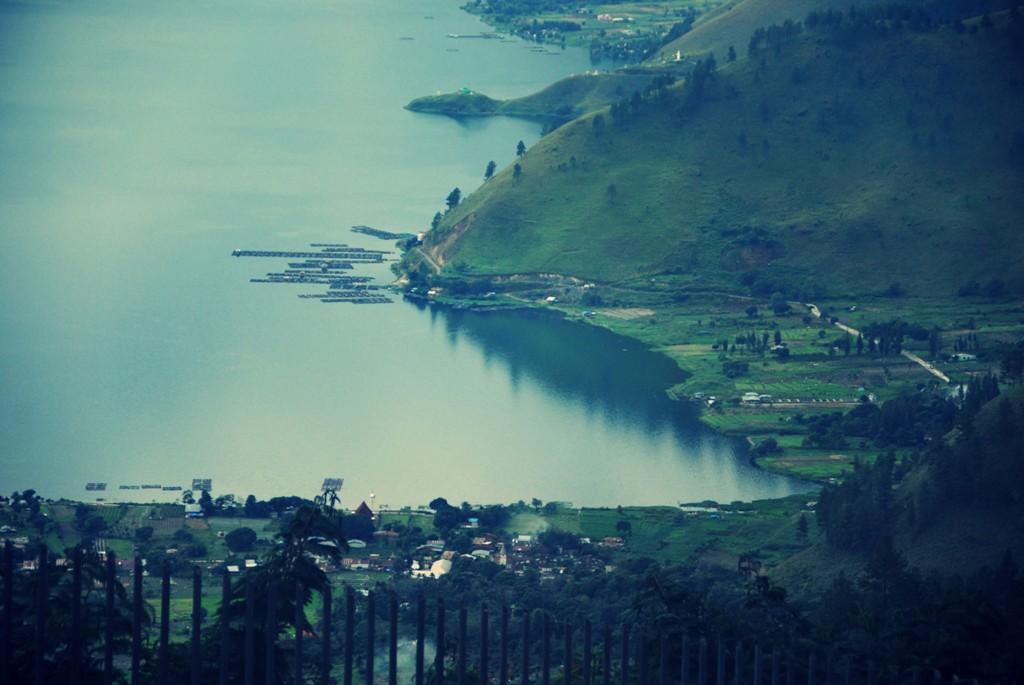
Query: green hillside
point(732, 24)
point(563, 100)
point(832, 162)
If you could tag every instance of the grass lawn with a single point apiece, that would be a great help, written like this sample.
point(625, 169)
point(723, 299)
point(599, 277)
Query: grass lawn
point(767, 529)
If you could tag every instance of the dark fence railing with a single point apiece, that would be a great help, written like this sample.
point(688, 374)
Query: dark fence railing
point(628, 654)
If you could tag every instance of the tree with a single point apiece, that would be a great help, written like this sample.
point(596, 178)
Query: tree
point(624, 527)
point(290, 573)
point(144, 534)
point(801, 528)
point(240, 539)
point(598, 124)
point(436, 221)
point(453, 199)
point(187, 497)
point(57, 606)
point(779, 304)
point(95, 525)
point(206, 503)
point(731, 57)
point(536, 503)
point(520, 149)
point(517, 171)
point(1012, 362)
point(358, 528)
point(778, 337)
point(489, 171)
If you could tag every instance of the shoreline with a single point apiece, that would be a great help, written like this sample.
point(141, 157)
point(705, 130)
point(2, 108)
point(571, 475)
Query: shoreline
point(523, 305)
point(780, 423)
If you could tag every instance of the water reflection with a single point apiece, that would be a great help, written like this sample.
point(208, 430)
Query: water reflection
point(615, 381)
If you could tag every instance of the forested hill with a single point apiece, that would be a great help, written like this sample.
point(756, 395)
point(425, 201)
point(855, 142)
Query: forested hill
point(731, 24)
point(834, 156)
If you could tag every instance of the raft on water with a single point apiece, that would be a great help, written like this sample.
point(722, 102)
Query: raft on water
point(383, 235)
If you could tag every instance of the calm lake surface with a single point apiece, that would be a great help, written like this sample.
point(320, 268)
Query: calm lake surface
point(142, 142)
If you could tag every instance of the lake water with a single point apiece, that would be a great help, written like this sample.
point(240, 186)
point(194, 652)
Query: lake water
point(142, 142)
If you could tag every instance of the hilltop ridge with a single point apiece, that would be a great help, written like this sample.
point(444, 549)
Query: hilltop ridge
point(824, 151)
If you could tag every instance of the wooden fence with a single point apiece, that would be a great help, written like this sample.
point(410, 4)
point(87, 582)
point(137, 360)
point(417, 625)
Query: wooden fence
point(630, 654)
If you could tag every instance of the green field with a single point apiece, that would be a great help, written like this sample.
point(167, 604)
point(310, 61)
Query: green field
point(767, 529)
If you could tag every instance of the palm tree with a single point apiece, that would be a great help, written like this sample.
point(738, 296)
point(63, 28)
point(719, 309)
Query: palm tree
point(290, 573)
point(57, 638)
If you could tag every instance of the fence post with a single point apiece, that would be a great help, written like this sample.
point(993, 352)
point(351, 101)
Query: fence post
point(525, 679)
point(567, 654)
point(421, 619)
point(165, 621)
point(684, 658)
point(350, 640)
point(270, 635)
point(299, 621)
point(392, 639)
point(41, 595)
point(737, 667)
point(662, 658)
point(197, 625)
point(503, 656)
point(325, 636)
point(371, 626)
point(545, 673)
point(250, 638)
point(702, 662)
point(460, 658)
point(641, 654)
point(108, 620)
point(75, 648)
point(720, 662)
point(624, 670)
point(440, 650)
point(136, 622)
point(484, 646)
point(606, 660)
point(6, 623)
point(587, 654)
point(225, 627)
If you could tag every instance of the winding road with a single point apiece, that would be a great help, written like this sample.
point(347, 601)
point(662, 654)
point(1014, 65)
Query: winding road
point(816, 313)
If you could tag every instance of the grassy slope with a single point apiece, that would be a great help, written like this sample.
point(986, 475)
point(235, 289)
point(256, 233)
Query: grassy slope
point(567, 98)
point(732, 23)
point(832, 170)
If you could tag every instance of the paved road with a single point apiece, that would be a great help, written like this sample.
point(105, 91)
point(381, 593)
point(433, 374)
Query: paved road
point(815, 312)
